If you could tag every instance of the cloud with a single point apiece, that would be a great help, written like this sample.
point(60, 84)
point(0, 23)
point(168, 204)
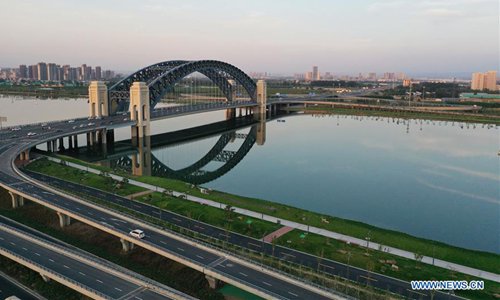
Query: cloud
point(458, 192)
point(443, 12)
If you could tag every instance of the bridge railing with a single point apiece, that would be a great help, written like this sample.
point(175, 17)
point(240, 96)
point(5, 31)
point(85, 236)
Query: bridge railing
point(40, 123)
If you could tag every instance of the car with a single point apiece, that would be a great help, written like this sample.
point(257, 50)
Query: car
point(71, 121)
point(74, 127)
point(90, 124)
point(81, 125)
point(137, 233)
point(44, 124)
point(31, 133)
point(16, 129)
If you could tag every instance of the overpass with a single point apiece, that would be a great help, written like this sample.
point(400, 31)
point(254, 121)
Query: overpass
point(16, 142)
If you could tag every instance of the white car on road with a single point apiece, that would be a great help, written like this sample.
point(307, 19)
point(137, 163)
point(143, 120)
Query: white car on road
point(137, 233)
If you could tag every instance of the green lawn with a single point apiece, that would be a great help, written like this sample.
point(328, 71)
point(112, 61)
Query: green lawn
point(356, 255)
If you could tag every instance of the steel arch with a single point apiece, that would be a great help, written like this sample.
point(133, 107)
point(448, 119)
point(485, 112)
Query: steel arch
point(161, 78)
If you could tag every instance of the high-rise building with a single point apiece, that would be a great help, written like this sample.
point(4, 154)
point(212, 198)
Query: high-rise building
point(51, 72)
point(372, 76)
point(315, 73)
point(308, 76)
point(42, 71)
point(23, 71)
point(484, 81)
point(33, 72)
point(98, 74)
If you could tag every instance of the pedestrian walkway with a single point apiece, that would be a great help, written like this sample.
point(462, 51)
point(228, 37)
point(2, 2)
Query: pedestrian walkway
point(274, 235)
point(306, 228)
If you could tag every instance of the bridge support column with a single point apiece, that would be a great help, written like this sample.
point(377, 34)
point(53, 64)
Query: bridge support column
point(98, 99)
point(45, 278)
point(61, 144)
point(49, 146)
point(54, 145)
point(64, 220)
point(261, 132)
point(230, 113)
point(75, 141)
point(17, 200)
point(260, 109)
point(126, 245)
point(142, 160)
point(139, 111)
point(25, 155)
point(70, 142)
point(212, 282)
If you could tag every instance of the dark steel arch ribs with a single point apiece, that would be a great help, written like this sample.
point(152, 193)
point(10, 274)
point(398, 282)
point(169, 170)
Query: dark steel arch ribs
point(162, 77)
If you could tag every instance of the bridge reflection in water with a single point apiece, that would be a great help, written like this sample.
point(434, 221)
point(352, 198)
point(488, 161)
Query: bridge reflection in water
point(140, 160)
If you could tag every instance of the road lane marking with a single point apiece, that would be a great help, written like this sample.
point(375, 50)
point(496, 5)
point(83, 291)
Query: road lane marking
point(293, 294)
point(199, 256)
point(163, 242)
point(412, 291)
point(66, 267)
point(90, 213)
point(25, 249)
point(267, 283)
point(135, 297)
point(250, 243)
point(37, 254)
point(99, 281)
point(243, 274)
point(13, 244)
point(78, 208)
point(83, 274)
point(51, 260)
point(176, 219)
point(118, 289)
point(368, 278)
point(180, 249)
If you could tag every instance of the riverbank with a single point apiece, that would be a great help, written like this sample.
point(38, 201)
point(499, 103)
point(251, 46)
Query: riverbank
point(401, 114)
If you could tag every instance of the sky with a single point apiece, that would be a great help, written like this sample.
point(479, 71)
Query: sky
point(278, 36)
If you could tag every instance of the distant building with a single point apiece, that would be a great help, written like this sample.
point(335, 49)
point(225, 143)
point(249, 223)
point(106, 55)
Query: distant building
point(52, 72)
point(406, 82)
point(315, 73)
point(308, 76)
point(33, 72)
point(484, 81)
point(42, 71)
point(98, 74)
point(23, 71)
point(372, 76)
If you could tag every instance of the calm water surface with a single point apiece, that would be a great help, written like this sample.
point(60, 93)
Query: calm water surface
point(428, 179)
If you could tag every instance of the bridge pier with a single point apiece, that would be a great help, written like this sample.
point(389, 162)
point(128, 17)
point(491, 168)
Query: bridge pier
point(261, 133)
point(49, 146)
point(139, 111)
point(61, 144)
point(142, 160)
point(230, 113)
point(70, 142)
point(212, 282)
point(17, 200)
point(98, 99)
point(126, 245)
point(260, 109)
point(25, 155)
point(64, 220)
point(54, 145)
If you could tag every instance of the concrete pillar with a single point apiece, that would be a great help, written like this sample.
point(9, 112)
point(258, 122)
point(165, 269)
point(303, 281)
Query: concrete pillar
point(260, 110)
point(61, 144)
point(126, 245)
point(49, 146)
point(75, 141)
point(139, 110)
point(212, 282)
point(230, 113)
point(70, 142)
point(98, 99)
point(17, 200)
point(45, 278)
point(64, 220)
point(54, 145)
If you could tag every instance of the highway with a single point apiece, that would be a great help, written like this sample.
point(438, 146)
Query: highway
point(8, 287)
point(247, 275)
point(286, 254)
point(93, 277)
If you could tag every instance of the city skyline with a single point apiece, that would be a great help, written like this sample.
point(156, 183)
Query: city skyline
point(367, 36)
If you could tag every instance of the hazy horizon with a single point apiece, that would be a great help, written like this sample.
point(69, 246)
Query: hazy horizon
point(280, 37)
